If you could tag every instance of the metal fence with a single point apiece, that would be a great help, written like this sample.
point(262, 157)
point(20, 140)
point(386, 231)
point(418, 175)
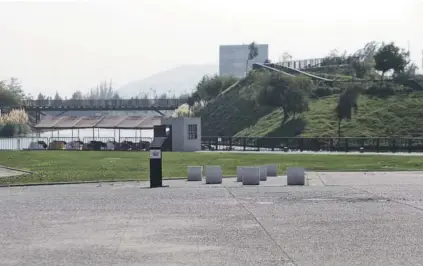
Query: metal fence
point(75, 143)
point(382, 144)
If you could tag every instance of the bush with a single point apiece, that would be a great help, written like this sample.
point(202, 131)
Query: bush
point(325, 91)
point(12, 130)
point(14, 123)
point(376, 90)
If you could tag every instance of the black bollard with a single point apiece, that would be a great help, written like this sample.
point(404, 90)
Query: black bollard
point(155, 167)
point(156, 175)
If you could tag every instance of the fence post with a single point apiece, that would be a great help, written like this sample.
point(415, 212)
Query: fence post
point(244, 142)
point(301, 144)
point(230, 143)
point(393, 145)
point(377, 145)
point(331, 144)
point(258, 144)
point(346, 145)
point(409, 145)
point(18, 140)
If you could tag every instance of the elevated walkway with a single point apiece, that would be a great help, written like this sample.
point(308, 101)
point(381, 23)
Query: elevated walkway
point(110, 104)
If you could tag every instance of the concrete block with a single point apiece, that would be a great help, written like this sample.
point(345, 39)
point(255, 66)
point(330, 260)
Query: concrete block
point(250, 175)
point(295, 176)
point(213, 174)
point(272, 170)
point(195, 173)
point(239, 170)
point(263, 173)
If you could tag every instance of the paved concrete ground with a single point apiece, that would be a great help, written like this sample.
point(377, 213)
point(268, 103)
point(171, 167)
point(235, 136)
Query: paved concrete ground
point(340, 219)
point(6, 172)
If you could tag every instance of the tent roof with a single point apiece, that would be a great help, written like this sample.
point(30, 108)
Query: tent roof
point(110, 122)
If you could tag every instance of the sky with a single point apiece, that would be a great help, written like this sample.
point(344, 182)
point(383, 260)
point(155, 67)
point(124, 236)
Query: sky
point(69, 45)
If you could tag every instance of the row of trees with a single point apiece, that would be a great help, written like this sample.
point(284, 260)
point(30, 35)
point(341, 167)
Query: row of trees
point(374, 58)
point(104, 91)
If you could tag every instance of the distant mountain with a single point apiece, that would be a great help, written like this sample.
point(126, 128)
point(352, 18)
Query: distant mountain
point(178, 80)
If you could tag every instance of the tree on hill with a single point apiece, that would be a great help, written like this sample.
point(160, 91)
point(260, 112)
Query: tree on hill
point(363, 59)
point(209, 87)
point(252, 53)
point(335, 58)
point(288, 94)
point(366, 54)
point(286, 57)
point(347, 105)
point(390, 57)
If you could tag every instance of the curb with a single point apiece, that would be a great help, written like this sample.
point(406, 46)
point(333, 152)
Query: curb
point(80, 182)
point(87, 182)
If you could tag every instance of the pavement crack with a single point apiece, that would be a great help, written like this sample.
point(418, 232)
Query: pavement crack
point(390, 199)
point(123, 234)
point(290, 259)
point(321, 180)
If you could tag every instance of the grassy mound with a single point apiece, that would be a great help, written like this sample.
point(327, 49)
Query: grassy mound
point(235, 113)
point(231, 112)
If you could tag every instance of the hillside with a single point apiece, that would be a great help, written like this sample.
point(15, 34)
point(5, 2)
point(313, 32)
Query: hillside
point(236, 113)
point(399, 115)
point(373, 92)
point(231, 112)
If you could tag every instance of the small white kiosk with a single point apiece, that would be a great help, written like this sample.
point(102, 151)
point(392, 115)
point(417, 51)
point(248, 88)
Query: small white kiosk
point(186, 132)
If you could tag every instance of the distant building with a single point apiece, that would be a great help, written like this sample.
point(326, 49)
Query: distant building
point(233, 59)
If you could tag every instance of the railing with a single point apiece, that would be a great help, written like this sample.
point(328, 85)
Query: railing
point(112, 103)
point(382, 144)
point(303, 64)
point(74, 143)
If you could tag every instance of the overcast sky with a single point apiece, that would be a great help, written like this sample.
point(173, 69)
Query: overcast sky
point(65, 46)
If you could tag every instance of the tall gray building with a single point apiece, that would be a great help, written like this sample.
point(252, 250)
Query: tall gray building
point(233, 58)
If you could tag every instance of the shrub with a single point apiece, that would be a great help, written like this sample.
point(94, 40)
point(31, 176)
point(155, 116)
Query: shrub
point(323, 91)
point(14, 123)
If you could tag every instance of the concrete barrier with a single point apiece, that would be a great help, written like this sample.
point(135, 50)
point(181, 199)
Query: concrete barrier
point(239, 170)
point(250, 175)
point(295, 176)
point(213, 174)
point(263, 173)
point(195, 173)
point(272, 170)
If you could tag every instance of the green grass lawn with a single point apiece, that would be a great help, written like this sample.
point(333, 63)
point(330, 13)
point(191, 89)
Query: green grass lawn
point(68, 166)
